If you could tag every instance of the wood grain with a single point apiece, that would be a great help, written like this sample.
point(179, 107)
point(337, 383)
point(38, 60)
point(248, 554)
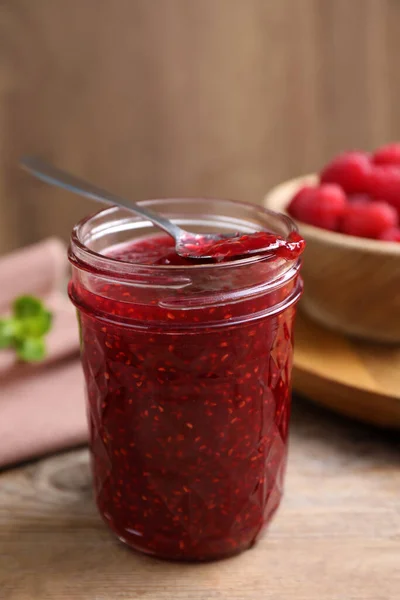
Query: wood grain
point(336, 536)
point(172, 97)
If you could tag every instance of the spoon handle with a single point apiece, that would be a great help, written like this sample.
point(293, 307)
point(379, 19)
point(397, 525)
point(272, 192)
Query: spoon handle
point(49, 174)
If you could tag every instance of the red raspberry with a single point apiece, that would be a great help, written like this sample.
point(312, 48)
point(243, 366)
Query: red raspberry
point(391, 235)
point(384, 184)
point(388, 155)
point(322, 206)
point(359, 199)
point(369, 220)
point(350, 170)
point(300, 200)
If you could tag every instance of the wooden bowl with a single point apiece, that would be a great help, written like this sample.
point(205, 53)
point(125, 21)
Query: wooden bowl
point(351, 284)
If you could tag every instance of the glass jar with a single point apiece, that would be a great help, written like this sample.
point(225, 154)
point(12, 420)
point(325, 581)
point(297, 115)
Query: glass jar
point(188, 372)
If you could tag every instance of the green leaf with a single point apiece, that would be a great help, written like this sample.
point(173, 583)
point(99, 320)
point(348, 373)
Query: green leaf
point(27, 306)
point(35, 326)
point(8, 329)
point(24, 331)
point(31, 349)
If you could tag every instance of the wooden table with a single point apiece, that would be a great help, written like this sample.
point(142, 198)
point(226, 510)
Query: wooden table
point(336, 537)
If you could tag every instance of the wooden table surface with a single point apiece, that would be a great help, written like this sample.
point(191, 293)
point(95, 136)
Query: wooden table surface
point(336, 536)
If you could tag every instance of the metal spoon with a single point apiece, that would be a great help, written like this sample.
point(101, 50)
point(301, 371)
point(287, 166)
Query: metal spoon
point(187, 245)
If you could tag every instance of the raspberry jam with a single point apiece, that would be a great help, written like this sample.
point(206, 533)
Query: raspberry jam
point(241, 246)
point(188, 370)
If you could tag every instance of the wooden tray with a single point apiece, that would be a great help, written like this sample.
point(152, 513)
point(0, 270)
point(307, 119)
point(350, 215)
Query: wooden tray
point(357, 379)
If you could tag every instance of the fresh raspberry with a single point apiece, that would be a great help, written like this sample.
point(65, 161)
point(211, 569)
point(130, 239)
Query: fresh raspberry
point(322, 206)
point(350, 170)
point(300, 200)
point(384, 183)
point(387, 155)
point(359, 199)
point(391, 235)
point(368, 220)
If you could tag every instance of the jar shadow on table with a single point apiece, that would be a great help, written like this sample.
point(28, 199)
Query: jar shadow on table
point(53, 540)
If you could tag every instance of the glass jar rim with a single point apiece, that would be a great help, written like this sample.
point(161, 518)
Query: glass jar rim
point(83, 255)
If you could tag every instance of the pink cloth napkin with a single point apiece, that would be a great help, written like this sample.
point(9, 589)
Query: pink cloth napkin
point(42, 406)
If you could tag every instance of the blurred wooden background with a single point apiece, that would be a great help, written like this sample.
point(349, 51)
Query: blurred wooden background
point(175, 97)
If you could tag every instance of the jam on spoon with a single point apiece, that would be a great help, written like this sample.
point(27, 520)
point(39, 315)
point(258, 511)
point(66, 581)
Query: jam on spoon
point(243, 245)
